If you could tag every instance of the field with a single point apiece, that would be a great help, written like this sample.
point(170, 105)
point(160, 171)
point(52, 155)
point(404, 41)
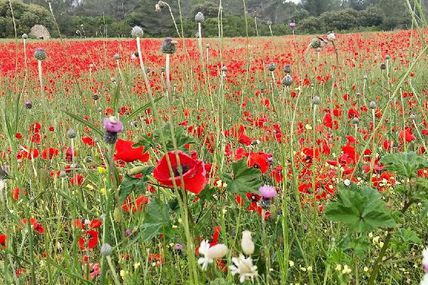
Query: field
point(264, 160)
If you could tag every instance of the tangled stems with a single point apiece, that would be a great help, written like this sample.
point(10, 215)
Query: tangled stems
point(110, 204)
point(377, 264)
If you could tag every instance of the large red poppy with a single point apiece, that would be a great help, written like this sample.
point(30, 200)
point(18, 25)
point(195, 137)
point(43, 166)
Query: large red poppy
point(193, 172)
point(125, 152)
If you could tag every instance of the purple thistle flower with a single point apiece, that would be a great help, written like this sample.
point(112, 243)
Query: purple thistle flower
point(112, 125)
point(267, 192)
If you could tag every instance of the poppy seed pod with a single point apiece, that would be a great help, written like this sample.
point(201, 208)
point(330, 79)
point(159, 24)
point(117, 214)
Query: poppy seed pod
point(169, 46)
point(315, 43)
point(71, 133)
point(24, 36)
point(316, 100)
point(412, 117)
point(116, 56)
point(199, 17)
point(355, 121)
point(383, 66)
point(95, 97)
point(372, 105)
point(137, 32)
point(272, 67)
point(287, 68)
point(287, 80)
point(40, 54)
point(106, 249)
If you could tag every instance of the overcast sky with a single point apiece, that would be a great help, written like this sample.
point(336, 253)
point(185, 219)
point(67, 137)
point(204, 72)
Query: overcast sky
point(295, 1)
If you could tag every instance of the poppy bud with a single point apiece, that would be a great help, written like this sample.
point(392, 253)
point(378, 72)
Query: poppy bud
point(28, 104)
point(137, 32)
point(272, 67)
point(355, 121)
point(372, 105)
point(199, 18)
point(106, 249)
point(24, 36)
point(71, 133)
point(117, 215)
point(169, 46)
point(95, 97)
point(383, 66)
point(388, 57)
point(316, 100)
point(247, 243)
point(116, 56)
point(88, 159)
point(287, 80)
point(40, 54)
point(331, 36)
point(287, 68)
point(412, 117)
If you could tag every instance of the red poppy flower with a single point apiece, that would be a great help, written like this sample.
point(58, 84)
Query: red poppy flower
point(3, 239)
point(88, 141)
point(259, 160)
point(77, 179)
point(49, 153)
point(406, 135)
point(134, 205)
point(192, 172)
point(125, 152)
point(89, 240)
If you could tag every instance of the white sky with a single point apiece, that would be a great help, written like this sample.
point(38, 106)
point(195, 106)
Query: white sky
point(295, 1)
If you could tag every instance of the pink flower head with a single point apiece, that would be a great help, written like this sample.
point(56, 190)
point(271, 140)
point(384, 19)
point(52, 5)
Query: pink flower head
point(112, 125)
point(267, 192)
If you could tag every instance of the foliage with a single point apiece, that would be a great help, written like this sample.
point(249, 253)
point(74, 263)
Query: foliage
point(361, 209)
point(26, 16)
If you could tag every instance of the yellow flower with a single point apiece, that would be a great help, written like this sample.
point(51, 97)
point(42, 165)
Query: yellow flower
point(101, 170)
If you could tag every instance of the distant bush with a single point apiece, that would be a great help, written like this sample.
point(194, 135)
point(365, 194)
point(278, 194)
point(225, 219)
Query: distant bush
point(26, 16)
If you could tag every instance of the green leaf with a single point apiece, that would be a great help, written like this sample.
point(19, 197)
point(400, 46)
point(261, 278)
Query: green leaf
point(405, 164)
point(424, 212)
point(360, 209)
point(89, 125)
point(139, 110)
point(359, 245)
point(181, 139)
point(244, 179)
point(156, 220)
point(404, 238)
point(134, 185)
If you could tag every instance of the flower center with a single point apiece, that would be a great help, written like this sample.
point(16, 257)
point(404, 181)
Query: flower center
point(180, 170)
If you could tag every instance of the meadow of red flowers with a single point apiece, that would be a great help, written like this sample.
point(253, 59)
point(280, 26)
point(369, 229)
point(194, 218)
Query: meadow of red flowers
point(109, 178)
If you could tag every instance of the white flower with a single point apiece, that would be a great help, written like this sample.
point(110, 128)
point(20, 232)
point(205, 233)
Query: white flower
point(210, 253)
point(137, 32)
point(244, 267)
point(331, 37)
point(425, 257)
point(2, 186)
point(425, 280)
point(246, 243)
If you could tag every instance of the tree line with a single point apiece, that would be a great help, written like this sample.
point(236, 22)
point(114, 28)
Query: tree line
point(114, 18)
